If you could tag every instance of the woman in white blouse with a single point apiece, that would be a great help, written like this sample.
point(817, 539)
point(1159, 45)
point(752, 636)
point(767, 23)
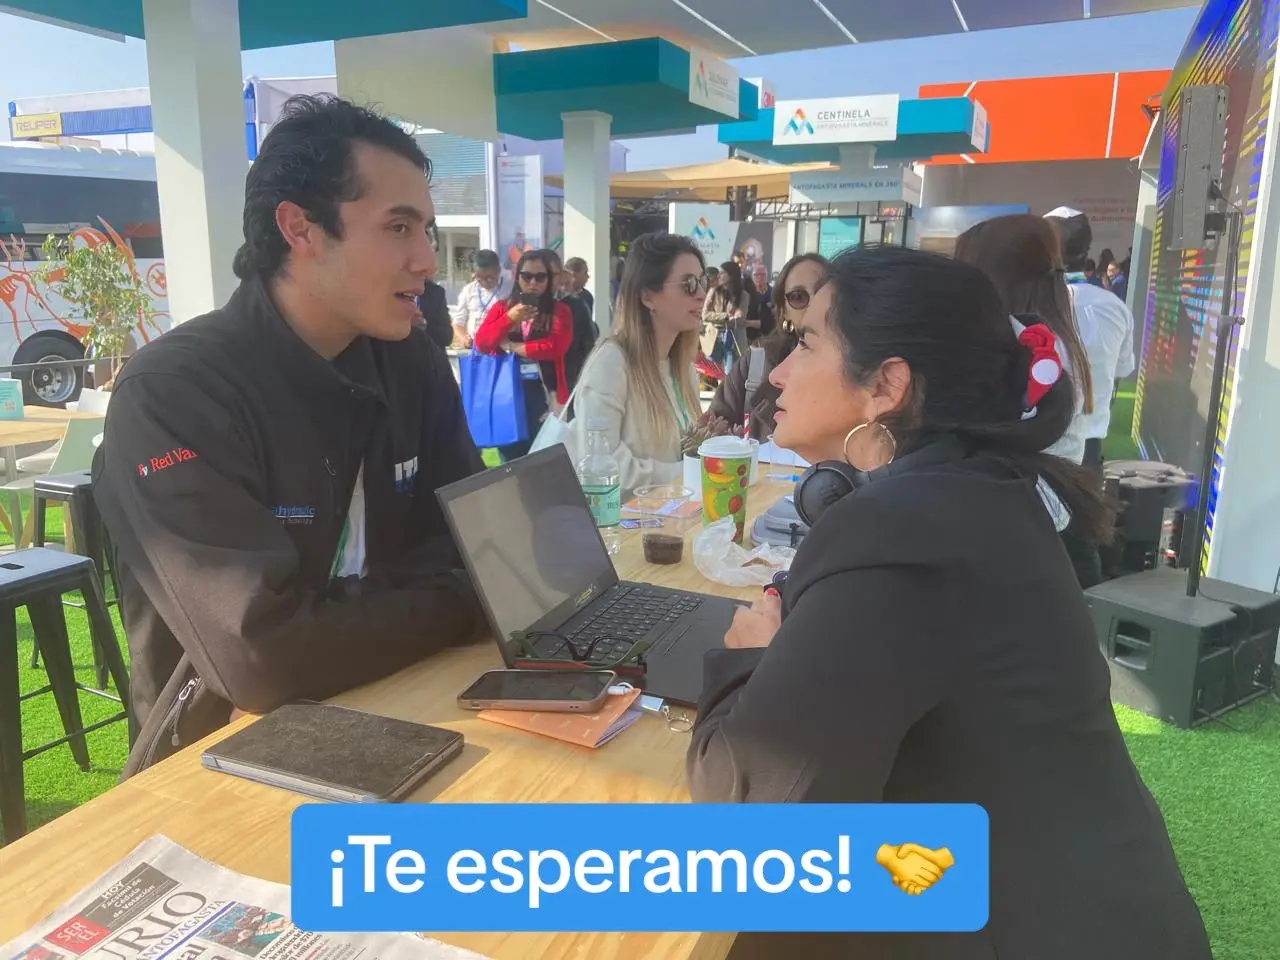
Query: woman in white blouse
point(640, 381)
point(1022, 255)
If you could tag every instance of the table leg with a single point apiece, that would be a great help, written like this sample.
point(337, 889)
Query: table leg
point(15, 499)
point(12, 795)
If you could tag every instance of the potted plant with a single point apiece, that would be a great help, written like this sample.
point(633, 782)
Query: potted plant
point(104, 293)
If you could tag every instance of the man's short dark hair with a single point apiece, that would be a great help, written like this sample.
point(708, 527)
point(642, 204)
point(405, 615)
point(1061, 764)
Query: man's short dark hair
point(307, 159)
point(574, 264)
point(487, 260)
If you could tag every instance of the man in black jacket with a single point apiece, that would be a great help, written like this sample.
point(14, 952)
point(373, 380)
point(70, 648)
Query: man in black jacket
point(434, 307)
point(268, 470)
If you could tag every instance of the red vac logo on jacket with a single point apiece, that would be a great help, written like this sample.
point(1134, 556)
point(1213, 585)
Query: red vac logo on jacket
point(175, 456)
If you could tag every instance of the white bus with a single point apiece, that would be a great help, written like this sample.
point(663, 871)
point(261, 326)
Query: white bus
point(92, 195)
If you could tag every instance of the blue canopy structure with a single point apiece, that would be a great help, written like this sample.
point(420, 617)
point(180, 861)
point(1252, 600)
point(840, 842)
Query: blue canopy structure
point(642, 84)
point(278, 23)
point(926, 128)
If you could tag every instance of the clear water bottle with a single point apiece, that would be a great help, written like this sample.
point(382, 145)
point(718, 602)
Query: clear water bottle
point(598, 472)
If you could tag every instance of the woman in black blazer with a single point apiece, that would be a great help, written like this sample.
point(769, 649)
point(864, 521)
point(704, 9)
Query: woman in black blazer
point(931, 644)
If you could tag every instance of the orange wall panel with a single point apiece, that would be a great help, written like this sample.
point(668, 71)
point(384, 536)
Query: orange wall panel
point(1060, 118)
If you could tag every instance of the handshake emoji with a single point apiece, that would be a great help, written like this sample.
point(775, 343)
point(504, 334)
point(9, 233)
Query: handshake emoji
point(914, 868)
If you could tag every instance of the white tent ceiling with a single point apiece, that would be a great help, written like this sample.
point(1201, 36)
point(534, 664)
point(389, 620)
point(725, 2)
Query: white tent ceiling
point(734, 28)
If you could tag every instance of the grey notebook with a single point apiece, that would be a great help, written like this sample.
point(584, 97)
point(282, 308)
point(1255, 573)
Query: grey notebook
point(335, 753)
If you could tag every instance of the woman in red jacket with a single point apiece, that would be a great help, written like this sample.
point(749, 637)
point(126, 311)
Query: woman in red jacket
point(532, 324)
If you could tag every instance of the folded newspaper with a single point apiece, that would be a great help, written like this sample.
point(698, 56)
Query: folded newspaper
point(164, 901)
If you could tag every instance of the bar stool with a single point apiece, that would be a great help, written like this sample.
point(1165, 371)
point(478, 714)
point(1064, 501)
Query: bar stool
point(37, 578)
point(76, 490)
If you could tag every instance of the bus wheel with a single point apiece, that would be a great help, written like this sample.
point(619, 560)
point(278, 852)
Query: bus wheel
point(49, 386)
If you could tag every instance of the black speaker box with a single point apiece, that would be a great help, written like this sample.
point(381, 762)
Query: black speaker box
point(1151, 497)
point(1185, 659)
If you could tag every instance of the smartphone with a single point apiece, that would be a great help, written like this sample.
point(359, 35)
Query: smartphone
point(529, 299)
point(560, 691)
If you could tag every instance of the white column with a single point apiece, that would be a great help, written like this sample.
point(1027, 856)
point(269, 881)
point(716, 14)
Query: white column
point(197, 109)
point(857, 156)
point(445, 277)
point(489, 231)
point(442, 79)
point(586, 202)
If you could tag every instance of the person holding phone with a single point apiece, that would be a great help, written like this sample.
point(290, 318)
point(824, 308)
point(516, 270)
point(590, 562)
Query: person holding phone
point(537, 327)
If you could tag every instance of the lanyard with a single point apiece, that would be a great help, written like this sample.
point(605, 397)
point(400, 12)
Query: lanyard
point(678, 403)
point(484, 305)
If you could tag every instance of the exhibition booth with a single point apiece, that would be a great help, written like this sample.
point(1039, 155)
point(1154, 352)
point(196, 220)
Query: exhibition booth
point(1187, 640)
point(589, 93)
point(854, 164)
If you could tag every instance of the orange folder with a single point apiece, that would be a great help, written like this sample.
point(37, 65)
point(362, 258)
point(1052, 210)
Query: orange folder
point(586, 729)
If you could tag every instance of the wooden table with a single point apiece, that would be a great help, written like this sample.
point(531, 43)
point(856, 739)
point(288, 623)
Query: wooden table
point(38, 425)
point(245, 826)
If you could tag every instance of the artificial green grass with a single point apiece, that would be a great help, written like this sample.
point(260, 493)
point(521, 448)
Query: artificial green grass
point(1119, 444)
point(54, 782)
point(1217, 787)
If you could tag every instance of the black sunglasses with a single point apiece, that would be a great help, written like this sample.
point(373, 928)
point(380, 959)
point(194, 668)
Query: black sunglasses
point(797, 298)
point(602, 653)
point(694, 285)
point(528, 277)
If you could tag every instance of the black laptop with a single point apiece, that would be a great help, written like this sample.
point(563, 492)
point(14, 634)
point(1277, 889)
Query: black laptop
point(549, 587)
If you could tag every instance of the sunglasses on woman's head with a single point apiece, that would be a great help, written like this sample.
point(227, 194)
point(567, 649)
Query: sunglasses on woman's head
point(797, 298)
point(528, 277)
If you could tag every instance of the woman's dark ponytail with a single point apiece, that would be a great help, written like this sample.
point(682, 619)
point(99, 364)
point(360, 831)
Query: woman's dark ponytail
point(1024, 442)
point(969, 370)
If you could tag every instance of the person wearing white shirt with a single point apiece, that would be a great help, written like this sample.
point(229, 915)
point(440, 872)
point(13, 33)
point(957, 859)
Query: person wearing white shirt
point(487, 287)
point(1106, 328)
point(1022, 256)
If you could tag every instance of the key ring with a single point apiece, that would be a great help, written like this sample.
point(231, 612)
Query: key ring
point(676, 722)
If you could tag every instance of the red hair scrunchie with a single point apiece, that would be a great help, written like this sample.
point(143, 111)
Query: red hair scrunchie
point(1045, 367)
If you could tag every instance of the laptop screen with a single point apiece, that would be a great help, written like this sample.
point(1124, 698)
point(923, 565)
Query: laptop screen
point(529, 540)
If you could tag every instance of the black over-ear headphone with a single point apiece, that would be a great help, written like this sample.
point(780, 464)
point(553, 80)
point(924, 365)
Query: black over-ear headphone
point(829, 481)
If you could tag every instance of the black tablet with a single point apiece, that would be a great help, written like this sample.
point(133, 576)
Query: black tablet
point(335, 753)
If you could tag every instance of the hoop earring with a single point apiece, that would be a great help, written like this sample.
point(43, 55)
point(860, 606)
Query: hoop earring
point(887, 437)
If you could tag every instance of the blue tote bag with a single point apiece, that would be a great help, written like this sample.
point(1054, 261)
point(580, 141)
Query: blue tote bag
point(493, 398)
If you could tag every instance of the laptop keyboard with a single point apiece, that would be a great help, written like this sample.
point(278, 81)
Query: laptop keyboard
point(631, 616)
